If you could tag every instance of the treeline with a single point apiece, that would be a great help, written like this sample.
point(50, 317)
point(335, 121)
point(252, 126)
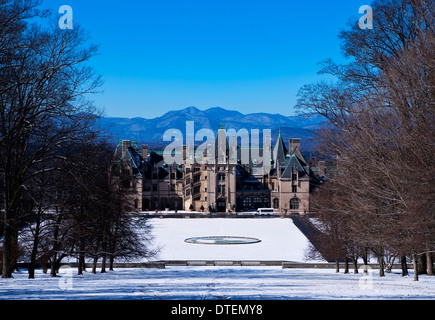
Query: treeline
point(57, 199)
point(380, 191)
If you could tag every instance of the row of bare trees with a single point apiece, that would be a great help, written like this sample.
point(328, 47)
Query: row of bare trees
point(81, 212)
point(57, 199)
point(381, 136)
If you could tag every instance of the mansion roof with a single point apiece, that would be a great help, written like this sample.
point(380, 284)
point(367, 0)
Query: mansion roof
point(284, 162)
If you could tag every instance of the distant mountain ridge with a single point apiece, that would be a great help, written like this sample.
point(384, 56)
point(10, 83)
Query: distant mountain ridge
point(150, 131)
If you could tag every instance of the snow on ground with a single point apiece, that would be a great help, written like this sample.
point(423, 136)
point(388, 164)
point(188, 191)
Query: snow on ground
point(210, 283)
point(280, 239)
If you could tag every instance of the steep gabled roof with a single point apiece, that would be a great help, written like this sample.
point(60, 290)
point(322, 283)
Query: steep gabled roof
point(293, 163)
point(297, 153)
point(279, 151)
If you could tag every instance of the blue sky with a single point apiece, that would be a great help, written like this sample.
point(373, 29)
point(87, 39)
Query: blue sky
point(245, 55)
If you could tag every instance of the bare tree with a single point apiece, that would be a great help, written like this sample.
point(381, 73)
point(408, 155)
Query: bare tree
point(43, 77)
point(102, 219)
point(381, 108)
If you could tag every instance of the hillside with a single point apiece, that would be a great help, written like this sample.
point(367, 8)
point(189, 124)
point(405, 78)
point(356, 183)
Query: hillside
point(151, 131)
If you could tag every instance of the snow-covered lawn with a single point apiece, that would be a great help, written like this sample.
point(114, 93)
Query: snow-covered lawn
point(280, 239)
point(250, 283)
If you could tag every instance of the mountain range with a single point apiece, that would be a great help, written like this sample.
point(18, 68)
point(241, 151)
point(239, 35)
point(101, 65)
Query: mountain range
point(150, 131)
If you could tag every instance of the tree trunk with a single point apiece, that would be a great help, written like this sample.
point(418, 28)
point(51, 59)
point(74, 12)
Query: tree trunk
point(10, 212)
point(53, 265)
point(422, 266)
point(44, 266)
point(82, 263)
point(366, 262)
point(80, 266)
point(429, 264)
point(103, 264)
point(346, 264)
point(32, 265)
point(111, 259)
point(94, 265)
point(55, 246)
point(381, 265)
point(82, 254)
point(404, 266)
point(415, 266)
point(7, 251)
point(15, 252)
point(337, 265)
point(355, 265)
point(83, 259)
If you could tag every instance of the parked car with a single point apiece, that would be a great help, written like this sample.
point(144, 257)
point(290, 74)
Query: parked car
point(265, 211)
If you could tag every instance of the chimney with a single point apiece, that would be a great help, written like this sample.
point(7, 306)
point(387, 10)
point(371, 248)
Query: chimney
point(293, 144)
point(125, 145)
point(184, 153)
point(145, 152)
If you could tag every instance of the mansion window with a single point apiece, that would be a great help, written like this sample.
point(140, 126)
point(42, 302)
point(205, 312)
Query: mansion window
point(294, 188)
point(294, 204)
point(221, 189)
point(221, 177)
point(247, 202)
point(258, 200)
point(276, 203)
point(294, 176)
point(196, 189)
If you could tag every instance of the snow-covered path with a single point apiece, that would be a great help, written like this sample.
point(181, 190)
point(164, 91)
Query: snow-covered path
point(196, 283)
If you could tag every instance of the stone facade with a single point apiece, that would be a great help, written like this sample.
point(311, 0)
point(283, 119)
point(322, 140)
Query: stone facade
point(221, 186)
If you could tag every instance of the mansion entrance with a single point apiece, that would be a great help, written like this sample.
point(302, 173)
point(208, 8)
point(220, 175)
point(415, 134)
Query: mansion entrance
point(221, 205)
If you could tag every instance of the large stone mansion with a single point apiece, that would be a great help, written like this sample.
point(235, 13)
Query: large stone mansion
point(219, 186)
